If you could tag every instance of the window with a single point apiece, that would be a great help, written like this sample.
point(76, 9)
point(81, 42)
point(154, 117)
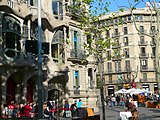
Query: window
point(116, 31)
point(32, 2)
point(124, 19)
point(142, 40)
point(143, 63)
point(125, 30)
point(126, 41)
point(108, 55)
point(89, 41)
point(127, 64)
point(129, 18)
point(109, 66)
point(126, 52)
point(154, 51)
point(90, 78)
point(76, 79)
point(57, 51)
point(76, 44)
point(117, 66)
point(138, 17)
point(143, 50)
point(110, 78)
point(144, 76)
point(57, 7)
point(11, 36)
point(141, 29)
point(107, 33)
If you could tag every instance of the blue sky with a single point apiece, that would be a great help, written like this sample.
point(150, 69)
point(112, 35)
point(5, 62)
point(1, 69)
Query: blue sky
point(116, 4)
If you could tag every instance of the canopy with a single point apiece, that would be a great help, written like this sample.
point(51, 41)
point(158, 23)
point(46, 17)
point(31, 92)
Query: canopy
point(137, 91)
point(121, 91)
point(132, 91)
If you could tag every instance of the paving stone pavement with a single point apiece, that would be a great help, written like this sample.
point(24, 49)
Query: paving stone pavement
point(112, 113)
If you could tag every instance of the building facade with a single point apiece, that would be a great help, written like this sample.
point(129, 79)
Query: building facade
point(132, 57)
point(67, 72)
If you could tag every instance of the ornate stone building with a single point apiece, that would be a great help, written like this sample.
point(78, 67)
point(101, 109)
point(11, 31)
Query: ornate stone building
point(65, 76)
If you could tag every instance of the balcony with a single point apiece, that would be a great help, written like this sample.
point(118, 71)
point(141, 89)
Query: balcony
point(144, 43)
point(117, 58)
point(152, 55)
point(143, 55)
point(142, 32)
point(78, 56)
point(116, 34)
point(118, 45)
point(152, 43)
point(147, 69)
point(152, 32)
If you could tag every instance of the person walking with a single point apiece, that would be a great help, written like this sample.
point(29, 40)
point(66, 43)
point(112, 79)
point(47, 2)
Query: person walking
point(118, 100)
point(113, 100)
point(66, 109)
point(79, 104)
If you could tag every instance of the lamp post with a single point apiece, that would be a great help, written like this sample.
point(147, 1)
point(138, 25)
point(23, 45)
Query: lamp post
point(40, 103)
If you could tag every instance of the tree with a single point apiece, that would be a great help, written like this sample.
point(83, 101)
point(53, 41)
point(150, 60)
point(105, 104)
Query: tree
point(97, 41)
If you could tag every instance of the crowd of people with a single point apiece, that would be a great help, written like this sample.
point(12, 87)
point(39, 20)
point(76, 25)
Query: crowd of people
point(14, 110)
point(129, 103)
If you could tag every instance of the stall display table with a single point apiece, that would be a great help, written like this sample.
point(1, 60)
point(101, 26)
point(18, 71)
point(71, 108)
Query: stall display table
point(152, 104)
point(125, 115)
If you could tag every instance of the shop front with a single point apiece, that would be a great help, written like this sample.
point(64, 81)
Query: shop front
point(110, 90)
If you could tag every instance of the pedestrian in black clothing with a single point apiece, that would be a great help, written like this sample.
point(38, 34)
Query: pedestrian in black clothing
point(118, 99)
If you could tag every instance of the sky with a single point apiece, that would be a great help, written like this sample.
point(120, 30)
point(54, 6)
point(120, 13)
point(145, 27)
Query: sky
point(115, 5)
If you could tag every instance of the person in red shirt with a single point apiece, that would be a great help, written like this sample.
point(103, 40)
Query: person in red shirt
point(27, 110)
point(10, 109)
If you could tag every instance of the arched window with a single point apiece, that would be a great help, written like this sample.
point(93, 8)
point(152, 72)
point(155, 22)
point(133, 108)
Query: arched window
point(11, 34)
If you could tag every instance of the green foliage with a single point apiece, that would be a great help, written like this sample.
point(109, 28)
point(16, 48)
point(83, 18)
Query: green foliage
point(91, 21)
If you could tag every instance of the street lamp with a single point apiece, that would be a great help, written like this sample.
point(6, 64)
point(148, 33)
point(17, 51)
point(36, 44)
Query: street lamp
point(40, 103)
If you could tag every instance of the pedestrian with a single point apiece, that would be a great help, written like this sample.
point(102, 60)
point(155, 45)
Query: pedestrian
point(66, 109)
point(123, 102)
point(74, 111)
point(107, 100)
point(113, 100)
point(117, 100)
point(79, 104)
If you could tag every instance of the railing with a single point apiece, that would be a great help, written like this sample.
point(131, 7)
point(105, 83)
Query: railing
point(78, 53)
point(116, 34)
point(11, 3)
point(143, 55)
point(144, 43)
point(147, 68)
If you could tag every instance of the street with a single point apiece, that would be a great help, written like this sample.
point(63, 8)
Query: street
point(112, 113)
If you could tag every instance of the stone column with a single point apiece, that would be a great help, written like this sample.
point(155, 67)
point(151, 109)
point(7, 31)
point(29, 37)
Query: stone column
point(3, 90)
